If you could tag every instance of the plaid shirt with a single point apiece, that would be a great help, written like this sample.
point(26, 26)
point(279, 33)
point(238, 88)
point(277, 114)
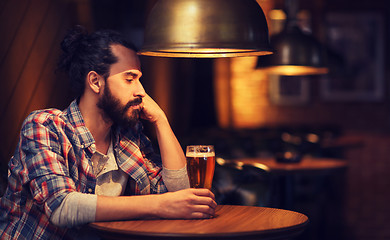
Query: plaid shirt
point(53, 159)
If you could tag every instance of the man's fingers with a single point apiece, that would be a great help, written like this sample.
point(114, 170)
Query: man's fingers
point(189, 203)
point(206, 201)
point(203, 203)
point(200, 215)
point(203, 192)
point(204, 197)
point(202, 211)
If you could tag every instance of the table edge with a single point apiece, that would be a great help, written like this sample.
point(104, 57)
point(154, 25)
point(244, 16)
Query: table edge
point(292, 230)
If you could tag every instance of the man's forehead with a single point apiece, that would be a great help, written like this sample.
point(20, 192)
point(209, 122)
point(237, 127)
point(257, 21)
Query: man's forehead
point(128, 61)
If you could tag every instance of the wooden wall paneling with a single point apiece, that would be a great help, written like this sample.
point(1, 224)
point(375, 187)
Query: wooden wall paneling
point(49, 47)
point(31, 77)
point(13, 66)
point(18, 54)
point(47, 87)
point(44, 90)
point(11, 16)
point(47, 90)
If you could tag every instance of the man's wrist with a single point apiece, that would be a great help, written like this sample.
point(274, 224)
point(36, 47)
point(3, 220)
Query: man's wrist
point(161, 121)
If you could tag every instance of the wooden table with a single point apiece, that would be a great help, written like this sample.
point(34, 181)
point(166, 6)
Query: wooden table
point(231, 222)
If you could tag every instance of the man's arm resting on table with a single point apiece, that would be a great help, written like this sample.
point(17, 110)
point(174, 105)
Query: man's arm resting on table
point(80, 208)
point(187, 204)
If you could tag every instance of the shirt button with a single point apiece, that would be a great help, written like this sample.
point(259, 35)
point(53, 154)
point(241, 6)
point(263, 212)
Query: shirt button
point(90, 190)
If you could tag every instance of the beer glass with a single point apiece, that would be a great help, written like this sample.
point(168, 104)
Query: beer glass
point(200, 165)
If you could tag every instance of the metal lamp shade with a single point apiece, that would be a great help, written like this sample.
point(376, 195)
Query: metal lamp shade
point(206, 29)
point(296, 53)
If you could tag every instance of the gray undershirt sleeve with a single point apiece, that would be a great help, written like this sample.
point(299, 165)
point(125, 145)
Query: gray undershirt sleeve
point(76, 209)
point(175, 179)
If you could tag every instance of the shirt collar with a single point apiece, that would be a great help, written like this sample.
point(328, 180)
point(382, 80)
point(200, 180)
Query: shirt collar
point(77, 121)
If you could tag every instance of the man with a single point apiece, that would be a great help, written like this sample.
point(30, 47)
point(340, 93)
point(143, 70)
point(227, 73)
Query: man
point(73, 167)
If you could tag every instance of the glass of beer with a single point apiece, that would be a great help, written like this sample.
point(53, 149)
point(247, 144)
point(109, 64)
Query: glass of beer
point(200, 165)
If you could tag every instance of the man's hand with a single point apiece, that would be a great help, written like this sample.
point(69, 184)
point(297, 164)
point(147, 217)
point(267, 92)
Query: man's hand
point(187, 204)
point(150, 110)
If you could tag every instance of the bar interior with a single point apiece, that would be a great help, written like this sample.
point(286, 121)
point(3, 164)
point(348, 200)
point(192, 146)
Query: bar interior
point(315, 141)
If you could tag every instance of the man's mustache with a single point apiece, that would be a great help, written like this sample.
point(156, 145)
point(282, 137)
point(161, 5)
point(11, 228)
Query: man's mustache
point(134, 102)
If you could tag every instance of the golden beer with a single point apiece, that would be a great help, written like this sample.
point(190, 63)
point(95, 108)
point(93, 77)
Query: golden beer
point(200, 165)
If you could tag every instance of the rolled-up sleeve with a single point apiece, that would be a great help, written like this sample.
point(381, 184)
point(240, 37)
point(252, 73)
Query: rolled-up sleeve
point(175, 179)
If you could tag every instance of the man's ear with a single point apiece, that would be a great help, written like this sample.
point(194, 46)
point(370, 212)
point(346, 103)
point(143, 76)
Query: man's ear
point(95, 81)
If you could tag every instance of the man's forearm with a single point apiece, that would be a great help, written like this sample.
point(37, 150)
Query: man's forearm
point(126, 207)
point(80, 208)
point(171, 152)
point(187, 204)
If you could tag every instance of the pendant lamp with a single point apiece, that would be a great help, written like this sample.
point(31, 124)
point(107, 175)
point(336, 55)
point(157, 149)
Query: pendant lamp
point(206, 29)
point(296, 52)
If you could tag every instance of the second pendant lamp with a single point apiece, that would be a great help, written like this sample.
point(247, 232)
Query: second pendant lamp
point(296, 53)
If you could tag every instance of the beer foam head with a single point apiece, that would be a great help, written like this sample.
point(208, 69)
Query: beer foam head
point(200, 154)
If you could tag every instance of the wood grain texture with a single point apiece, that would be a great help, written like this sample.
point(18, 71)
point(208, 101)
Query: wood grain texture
point(32, 31)
point(231, 222)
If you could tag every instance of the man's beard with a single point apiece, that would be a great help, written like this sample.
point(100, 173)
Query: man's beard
point(116, 112)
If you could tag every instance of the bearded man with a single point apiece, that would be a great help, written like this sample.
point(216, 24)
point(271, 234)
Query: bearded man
point(92, 162)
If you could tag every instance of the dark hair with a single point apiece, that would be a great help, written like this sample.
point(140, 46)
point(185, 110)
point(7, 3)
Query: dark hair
point(83, 52)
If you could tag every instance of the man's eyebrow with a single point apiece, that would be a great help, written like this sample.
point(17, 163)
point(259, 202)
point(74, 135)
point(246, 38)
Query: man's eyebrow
point(132, 74)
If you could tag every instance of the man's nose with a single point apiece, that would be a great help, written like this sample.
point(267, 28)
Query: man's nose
point(140, 91)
